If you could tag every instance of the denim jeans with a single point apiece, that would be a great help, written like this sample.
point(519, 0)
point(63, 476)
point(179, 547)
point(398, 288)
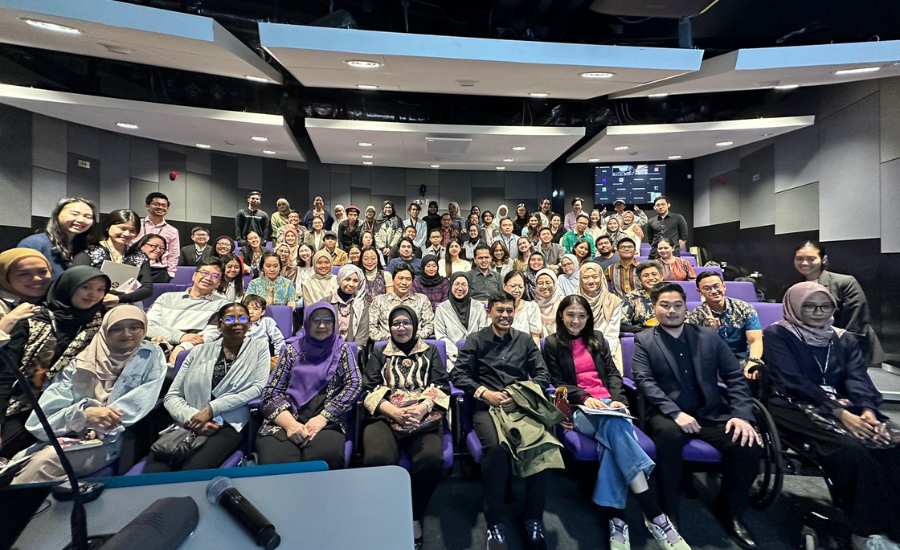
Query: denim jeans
point(621, 458)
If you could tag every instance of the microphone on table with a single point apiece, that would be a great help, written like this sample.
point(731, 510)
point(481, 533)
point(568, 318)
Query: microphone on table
point(221, 490)
point(164, 525)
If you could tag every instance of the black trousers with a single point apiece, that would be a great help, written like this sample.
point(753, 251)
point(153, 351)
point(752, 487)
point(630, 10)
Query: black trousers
point(426, 457)
point(867, 481)
point(210, 455)
point(328, 446)
point(496, 469)
point(740, 465)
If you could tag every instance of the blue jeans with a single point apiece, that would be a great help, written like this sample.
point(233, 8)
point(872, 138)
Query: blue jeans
point(621, 458)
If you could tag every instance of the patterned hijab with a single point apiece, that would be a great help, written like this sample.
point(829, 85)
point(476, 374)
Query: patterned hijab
point(602, 302)
point(792, 305)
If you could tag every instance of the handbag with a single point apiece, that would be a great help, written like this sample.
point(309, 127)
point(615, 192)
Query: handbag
point(561, 402)
point(430, 422)
point(176, 445)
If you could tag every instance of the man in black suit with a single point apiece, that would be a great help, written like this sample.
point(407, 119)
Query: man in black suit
point(677, 368)
point(193, 253)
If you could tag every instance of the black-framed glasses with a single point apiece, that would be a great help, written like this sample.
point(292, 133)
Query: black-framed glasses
point(401, 324)
point(207, 274)
point(230, 320)
point(813, 308)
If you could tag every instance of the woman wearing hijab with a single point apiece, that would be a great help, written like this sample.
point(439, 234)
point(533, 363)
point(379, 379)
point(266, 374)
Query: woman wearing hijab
point(291, 238)
point(315, 383)
point(322, 284)
point(535, 264)
point(613, 232)
point(110, 385)
point(405, 382)
point(25, 275)
point(390, 228)
point(579, 360)
point(279, 218)
point(547, 298)
point(349, 302)
point(44, 344)
point(339, 216)
point(606, 307)
point(631, 229)
point(822, 397)
point(502, 212)
point(430, 282)
point(378, 281)
point(458, 317)
point(569, 280)
point(473, 240)
point(211, 393)
point(456, 219)
point(368, 222)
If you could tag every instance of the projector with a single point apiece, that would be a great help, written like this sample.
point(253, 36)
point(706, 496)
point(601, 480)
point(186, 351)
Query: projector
point(674, 9)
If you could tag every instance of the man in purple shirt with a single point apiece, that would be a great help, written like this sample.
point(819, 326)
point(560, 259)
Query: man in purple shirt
point(155, 223)
point(572, 216)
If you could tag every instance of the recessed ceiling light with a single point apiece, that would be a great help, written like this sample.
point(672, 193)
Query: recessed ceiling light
point(858, 70)
point(368, 162)
point(127, 125)
point(435, 165)
point(203, 145)
point(787, 86)
point(596, 75)
point(362, 64)
point(518, 148)
point(621, 148)
point(368, 156)
point(501, 167)
point(674, 157)
point(259, 138)
point(364, 144)
point(268, 152)
point(724, 143)
point(47, 26)
point(252, 78)
point(593, 160)
point(367, 86)
point(539, 94)
point(765, 135)
point(509, 160)
point(661, 94)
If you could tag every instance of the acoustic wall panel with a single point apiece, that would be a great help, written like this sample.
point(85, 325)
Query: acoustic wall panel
point(797, 209)
point(890, 118)
point(273, 174)
point(361, 197)
point(223, 184)
point(455, 186)
point(173, 161)
point(757, 204)
point(340, 191)
point(197, 198)
point(796, 158)
point(361, 178)
point(841, 96)
point(250, 174)
point(115, 191)
point(849, 170)
point(83, 182)
point(522, 187)
point(389, 181)
point(144, 155)
point(705, 168)
point(297, 187)
point(199, 161)
point(15, 167)
point(49, 143)
point(890, 197)
point(340, 169)
point(139, 191)
point(488, 179)
point(47, 187)
point(701, 201)
point(725, 198)
point(83, 140)
point(488, 198)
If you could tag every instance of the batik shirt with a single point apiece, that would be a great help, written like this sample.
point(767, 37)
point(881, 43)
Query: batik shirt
point(732, 324)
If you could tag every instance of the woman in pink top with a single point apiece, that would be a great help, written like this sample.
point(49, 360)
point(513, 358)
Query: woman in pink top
point(580, 361)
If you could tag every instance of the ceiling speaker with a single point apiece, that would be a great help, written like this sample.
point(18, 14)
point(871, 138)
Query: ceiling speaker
point(447, 146)
point(675, 9)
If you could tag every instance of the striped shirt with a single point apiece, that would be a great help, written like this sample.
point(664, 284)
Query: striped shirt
point(622, 280)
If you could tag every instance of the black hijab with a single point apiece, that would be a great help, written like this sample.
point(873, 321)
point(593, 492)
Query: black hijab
point(67, 318)
point(429, 281)
point(409, 345)
point(460, 306)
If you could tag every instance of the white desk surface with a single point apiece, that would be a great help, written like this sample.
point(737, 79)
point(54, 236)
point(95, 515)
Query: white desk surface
point(365, 508)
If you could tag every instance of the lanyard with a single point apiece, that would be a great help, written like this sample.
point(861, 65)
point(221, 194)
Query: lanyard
point(822, 369)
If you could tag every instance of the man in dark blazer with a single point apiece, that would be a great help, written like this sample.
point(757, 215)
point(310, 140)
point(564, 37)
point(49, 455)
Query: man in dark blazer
point(677, 368)
point(200, 249)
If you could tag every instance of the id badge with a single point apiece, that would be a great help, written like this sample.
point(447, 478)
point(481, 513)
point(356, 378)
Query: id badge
point(828, 389)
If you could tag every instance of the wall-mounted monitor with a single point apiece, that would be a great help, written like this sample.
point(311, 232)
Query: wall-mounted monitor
point(632, 183)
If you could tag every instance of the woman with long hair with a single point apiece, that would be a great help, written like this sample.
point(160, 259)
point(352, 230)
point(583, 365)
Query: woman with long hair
point(595, 226)
point(499, 257)
point(520, 222)
point(378, 281)
point(68, 231)
point(154, 246)
point(674, 268)
point(523, 252)
point(582, 251)
point(367, 240)
point(527, 315)
point(533, 229)
point(579, 360)
point(354, 255)
point(119, 230)
point(557, 228)
point(252, 253)
point(271, 285)
point(24, 279)
point(231, 287)
point(489, 231)
point(452, 260)
point(289, 268)
point(606, 307)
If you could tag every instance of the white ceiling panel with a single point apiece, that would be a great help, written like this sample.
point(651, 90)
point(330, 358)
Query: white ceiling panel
point(453, 147)
point(223, 131)
point(316, 56)
point(659, 142)
point(757, 68)
point(132, 33)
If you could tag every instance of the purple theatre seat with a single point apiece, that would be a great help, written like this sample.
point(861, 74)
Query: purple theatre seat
point(269, 246)
point(769, 313)
point(446, 447)
point(584, 448)
point(184, 275)
point(230, 462)
point(180, 359)
point(335, 269)
point(284, 318)
point(691, 260)
point(161, 288)
point(473, 444)
point(247, 279)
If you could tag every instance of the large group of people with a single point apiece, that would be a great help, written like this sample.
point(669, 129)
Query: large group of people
point(538, 298)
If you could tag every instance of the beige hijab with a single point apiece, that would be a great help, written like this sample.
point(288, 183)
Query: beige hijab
point(322, 286)
point(8, 260)
point(548, 305)
point(99, 365)
point(603, 303)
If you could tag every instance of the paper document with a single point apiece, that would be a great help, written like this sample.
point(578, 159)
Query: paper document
point(604, 412)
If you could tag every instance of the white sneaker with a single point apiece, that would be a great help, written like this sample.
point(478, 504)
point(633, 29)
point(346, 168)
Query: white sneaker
point(879, 542)
point(618, 535)
point(664, 532)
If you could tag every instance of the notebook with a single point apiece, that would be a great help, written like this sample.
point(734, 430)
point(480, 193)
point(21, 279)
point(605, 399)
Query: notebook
point(119, 273)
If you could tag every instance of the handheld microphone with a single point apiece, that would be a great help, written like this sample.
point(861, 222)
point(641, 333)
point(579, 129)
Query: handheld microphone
point(221, 490)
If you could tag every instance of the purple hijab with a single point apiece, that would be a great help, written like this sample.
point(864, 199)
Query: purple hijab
point(317, 360)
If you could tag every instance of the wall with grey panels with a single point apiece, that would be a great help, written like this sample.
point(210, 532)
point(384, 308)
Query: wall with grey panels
point(757, 202)
point(890, 198)
point(725, 197)
point(890, 119)
point(797, 209)
point(796, 158)
point(15, 166)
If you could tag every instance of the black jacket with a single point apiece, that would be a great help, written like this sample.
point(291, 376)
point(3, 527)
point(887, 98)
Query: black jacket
point(562, 370)
point(658, 379)
point(187, 255)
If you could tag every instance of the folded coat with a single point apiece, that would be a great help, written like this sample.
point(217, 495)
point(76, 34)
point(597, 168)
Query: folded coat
point(527, 431)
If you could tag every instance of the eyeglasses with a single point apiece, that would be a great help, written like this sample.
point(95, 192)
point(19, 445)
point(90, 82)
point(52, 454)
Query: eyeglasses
point(316, 321)
point(401, 324)
point(626, 247)
point(813, 308)
point(207, 274)
point(516, 287)
point(710, 288)
point(153, 246)
point(159, 205)
point(232, 320)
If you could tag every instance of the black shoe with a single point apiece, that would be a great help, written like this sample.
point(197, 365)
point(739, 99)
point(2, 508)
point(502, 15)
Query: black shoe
point(738, 531)
point(496, 539)
point(534, 535)
point(418, 543)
